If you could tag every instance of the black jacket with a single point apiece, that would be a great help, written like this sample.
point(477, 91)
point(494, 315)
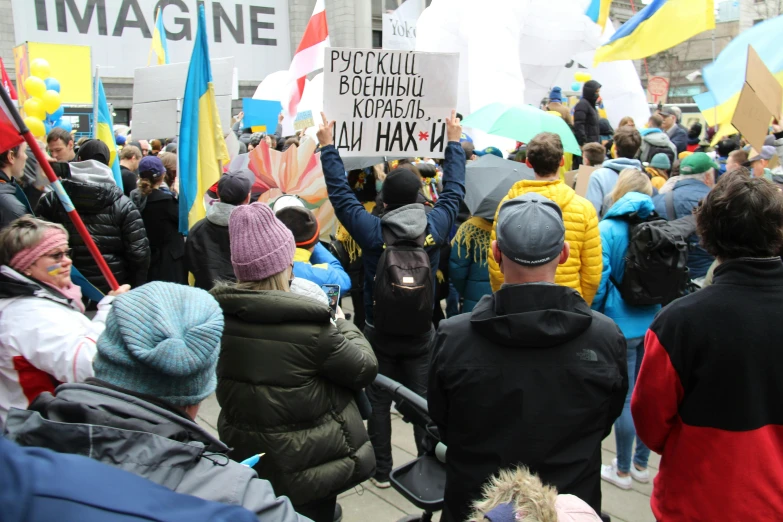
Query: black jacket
point(531, 377)
point(208, 249)
point(129, 180)
point(160, 211)
point(114, 224)
point(586, 121)
point(10, 206)
point(287, 377)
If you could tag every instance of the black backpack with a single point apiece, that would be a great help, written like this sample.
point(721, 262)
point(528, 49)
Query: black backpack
point(654, 149)
point(656, 269)
point(403, 291)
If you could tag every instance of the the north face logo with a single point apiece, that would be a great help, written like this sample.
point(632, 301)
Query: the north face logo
point(587, 355)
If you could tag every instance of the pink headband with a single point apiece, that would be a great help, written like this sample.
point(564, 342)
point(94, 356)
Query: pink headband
point(53, 237)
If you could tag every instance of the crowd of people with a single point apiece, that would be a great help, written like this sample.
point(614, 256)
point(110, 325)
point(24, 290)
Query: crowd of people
point(532, 335)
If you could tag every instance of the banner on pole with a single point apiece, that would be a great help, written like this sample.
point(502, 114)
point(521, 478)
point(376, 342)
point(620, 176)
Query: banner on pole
point(657, 89)
point(389, 103)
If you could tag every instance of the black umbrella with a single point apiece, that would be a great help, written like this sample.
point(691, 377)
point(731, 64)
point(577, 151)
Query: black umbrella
point(487, 182)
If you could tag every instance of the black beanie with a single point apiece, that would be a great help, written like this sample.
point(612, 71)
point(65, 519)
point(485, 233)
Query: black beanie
point(401, 187)
point(94, 150)
point(302, 224)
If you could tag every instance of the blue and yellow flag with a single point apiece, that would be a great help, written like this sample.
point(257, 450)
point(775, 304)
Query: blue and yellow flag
point(659, 26)
point(104, 131)
point(202, 147)
point(598, 11)
point(159, 46)
point(725, 77)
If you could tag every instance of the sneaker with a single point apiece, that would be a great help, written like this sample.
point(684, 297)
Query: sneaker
point(338, 513)
point(638, 476)
point(609, 474)
point(381, 482)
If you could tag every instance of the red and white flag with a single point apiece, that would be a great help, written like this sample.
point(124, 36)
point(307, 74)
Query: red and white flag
point(9, 132)
point(6, 82)
point(309, 55)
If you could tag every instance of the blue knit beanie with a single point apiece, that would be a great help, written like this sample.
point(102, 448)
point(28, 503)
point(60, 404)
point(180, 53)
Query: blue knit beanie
point(162, 339)
point(556, 95)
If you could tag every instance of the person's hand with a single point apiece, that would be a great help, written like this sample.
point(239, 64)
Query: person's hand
point(239, 117)
point(776, 127)
point(338, 314)
point(326, 132)
point(453, 127)
point(280, 117)
point(121, 290)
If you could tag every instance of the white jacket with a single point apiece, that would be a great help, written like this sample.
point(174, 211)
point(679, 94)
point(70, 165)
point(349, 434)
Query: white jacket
point(44, 340)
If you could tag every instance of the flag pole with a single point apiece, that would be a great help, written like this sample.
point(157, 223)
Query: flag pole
point(59, 190)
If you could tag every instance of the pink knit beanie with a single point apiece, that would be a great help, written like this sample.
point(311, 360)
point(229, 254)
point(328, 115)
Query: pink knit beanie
point(261, 246)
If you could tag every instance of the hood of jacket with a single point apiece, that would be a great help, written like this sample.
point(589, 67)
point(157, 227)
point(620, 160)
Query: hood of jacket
point(218, 213)
point(114, 427)
point(641, 204)
point(300, 286)
point(408, 222)
point(535, 315)
point(555, 190)
point(8, 185)
point(589, 91)
point(270, 306)
point(620, 164)
point(92, 171)
point(13, 284)
point(89, 196)
point(658, 139)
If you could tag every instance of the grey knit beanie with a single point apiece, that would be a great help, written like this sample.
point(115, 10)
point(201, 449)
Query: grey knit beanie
point(162, 339)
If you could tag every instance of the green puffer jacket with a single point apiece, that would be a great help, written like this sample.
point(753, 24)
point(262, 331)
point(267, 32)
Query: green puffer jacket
point(286, 383)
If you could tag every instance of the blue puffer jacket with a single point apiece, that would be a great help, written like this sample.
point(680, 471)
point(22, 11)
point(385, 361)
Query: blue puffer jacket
point(468, 270)
point(632, 320)
point(687, 194)
point(321, 267)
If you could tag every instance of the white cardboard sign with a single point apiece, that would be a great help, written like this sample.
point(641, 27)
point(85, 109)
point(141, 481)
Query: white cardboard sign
point(389, 103)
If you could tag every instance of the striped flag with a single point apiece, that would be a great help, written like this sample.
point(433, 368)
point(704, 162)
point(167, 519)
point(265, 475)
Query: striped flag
point(159, 45)
point(10, 134)
point(202, 147)
point(6, 83)
point(104, 131)
point(309, 55)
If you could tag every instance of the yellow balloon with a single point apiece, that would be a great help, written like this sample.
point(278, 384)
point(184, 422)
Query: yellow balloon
point(35, 87)
point(587, 77)
point(582, 77)
point(36, 126)
point(40, 68)
point(33, 107)
point(51, 101)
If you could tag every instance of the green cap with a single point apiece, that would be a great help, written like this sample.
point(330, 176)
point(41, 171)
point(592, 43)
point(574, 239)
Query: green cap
point(697, 163)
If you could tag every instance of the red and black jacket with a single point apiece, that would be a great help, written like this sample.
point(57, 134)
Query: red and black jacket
point(709, 397)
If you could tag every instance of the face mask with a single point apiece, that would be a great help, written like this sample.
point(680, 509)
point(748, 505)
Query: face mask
point(378, 185)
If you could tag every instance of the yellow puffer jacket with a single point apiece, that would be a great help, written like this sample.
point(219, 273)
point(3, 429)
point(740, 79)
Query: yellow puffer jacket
point(582, 271)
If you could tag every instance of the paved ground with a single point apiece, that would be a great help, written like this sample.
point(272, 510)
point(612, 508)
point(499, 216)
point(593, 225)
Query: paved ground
point(386, 505)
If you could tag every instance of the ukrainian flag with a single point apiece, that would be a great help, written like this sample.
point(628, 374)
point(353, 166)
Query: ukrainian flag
point(104, 131)
point(598, 11)
point(726, 76)
point(659, 26)
point(159, 45)
point(201, 143)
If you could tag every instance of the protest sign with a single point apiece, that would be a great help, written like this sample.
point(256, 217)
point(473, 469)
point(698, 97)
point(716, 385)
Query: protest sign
point(304, 120)
point(260, 113)
point(399, 26)
point(751, 117)
point(582, 178)
point(388, 103)
point(764, 84)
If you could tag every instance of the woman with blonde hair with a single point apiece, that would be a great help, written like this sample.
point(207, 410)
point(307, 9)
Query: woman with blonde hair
point(630, 202)
point(627, 121)
point(288, 373)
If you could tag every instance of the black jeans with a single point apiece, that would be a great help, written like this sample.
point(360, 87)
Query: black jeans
point(319, 510)
point(409, 370)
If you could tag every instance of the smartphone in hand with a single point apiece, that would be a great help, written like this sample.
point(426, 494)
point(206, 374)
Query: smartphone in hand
point(333, 294)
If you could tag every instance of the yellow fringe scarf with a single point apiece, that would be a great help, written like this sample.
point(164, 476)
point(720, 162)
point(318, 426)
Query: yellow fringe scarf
point(474, 234)
point(345, 238)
